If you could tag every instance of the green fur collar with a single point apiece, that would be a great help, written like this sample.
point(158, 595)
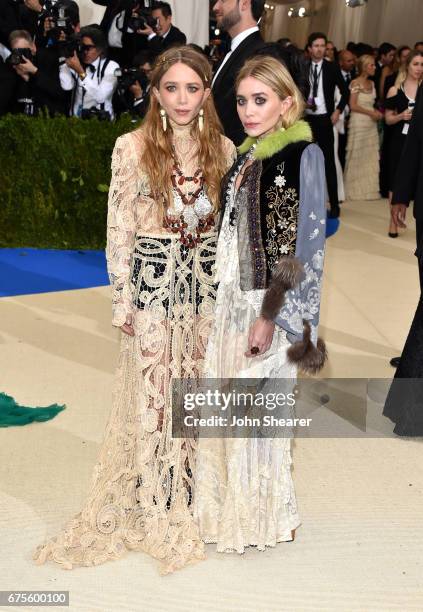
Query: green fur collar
point(276, 141)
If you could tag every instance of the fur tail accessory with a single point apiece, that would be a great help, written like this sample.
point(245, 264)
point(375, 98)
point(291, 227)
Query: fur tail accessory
point(309, 358)
point(286, 276)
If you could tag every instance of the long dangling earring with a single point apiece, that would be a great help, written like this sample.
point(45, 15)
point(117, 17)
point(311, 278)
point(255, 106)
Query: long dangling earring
point(164, 119)
point(201, 120)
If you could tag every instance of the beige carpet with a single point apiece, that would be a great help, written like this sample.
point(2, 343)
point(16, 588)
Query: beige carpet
point(360, 547)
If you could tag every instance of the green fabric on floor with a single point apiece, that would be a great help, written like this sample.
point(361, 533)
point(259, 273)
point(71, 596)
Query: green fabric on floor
point(12, 414)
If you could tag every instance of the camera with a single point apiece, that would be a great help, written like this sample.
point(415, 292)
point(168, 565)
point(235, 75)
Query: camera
point(60, 19)
point(67, 48)
point(142, 17)
point(17, 56)
point(128, 76)
point(93, 112)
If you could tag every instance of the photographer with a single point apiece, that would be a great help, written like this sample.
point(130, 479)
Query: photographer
point(35, 74)
point(133, 90)
point(51, 21)
point(163, 35)
point(90, 76)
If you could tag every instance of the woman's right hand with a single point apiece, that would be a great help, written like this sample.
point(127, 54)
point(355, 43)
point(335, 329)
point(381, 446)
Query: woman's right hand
point(406, 115)
point(376, 115)
point(127, 328)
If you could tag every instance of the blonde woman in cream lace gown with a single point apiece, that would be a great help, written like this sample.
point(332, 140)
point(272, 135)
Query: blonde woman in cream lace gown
point(162, 273)
point(362, 163)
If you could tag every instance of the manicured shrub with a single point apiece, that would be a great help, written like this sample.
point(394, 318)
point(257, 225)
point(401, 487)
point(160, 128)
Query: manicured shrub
point(54, 179)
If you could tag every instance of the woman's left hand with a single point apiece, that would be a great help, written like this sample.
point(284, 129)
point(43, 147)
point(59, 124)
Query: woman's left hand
point(260, 336)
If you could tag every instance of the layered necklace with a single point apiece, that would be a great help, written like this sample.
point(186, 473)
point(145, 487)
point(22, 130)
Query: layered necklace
point(191, 214)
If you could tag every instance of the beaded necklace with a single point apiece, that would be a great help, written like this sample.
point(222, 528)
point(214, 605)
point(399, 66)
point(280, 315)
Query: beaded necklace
point(198, 217)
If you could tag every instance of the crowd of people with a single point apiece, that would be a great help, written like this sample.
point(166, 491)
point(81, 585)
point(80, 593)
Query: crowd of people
point(48, 63)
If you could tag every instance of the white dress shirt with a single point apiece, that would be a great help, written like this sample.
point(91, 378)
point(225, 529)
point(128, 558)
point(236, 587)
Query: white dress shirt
point(93, 90)
point(115, 31)
point(236, 41)
point(320, 100)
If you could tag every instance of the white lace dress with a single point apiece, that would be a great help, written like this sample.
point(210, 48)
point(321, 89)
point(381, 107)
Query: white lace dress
point(244, 490)
point(142, 488)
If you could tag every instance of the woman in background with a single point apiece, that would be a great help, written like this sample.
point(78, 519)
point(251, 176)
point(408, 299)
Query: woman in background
point(399, 106)
point(362, 165)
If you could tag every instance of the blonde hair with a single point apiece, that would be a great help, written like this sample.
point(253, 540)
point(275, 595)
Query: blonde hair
point(403, 71)
point(157, 155)
point(363, 61)
point(273, 73)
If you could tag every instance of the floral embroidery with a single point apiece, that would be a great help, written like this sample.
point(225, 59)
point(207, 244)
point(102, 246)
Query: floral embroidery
point(312, 216)
point(314, 234)
point(283, 204)
point(280, 181)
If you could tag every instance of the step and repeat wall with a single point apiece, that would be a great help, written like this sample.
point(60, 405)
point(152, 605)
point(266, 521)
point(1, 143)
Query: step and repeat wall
point(396, 21)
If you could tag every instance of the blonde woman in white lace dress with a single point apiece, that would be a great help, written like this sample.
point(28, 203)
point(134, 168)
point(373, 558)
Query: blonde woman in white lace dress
point(161, 249)
point(362, 163)
point(269, 266)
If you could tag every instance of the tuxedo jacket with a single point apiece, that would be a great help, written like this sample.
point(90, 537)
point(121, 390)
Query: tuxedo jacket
point(175, 37)
point(332, 77)
point(224, 87)
point(409, 175)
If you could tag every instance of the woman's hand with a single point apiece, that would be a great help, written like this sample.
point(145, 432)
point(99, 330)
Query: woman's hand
point(406, 115)
point(376, 115)
point(260, 336)
point(128, 328)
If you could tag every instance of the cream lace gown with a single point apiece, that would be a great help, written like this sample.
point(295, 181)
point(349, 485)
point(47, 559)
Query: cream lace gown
point(362, 163)
point(141, 496)
point(244, 490)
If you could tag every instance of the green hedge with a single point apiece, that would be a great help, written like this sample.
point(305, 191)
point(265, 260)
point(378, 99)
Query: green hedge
point(54, 178)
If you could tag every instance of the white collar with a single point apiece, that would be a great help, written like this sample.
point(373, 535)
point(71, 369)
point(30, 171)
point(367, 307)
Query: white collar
point(164, 35)
point(318, 64)
point(96, 63)
point(239, 38)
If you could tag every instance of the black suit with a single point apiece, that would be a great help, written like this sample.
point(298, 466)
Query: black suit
point(175, 37)
point(43, 87)
point(409, 175)
point(224, 87)
point(10, 19)
point(322, 127)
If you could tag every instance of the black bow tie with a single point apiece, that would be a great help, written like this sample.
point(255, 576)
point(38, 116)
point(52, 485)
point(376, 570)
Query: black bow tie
point(89, 67)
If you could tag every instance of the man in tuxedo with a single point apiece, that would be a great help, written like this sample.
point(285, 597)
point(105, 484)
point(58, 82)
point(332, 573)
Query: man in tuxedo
point(239, 19)
point(346, 62)
point(155, 39)
point(165, 34)
point(409, 181)
point(324, 76)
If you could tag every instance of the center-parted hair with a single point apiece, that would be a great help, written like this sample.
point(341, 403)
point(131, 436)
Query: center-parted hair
point(157, 156)
point(272, 73)
point(403, 71)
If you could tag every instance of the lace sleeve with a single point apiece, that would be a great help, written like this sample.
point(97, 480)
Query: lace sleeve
point(121, 227)
point(230, 152)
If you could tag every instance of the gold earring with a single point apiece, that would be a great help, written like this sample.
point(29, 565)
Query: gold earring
point(164, 119)
point(201, 120)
